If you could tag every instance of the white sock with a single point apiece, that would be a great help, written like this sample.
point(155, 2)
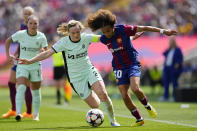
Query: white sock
point(20, 97)
point(36, 94)
point(108, 107)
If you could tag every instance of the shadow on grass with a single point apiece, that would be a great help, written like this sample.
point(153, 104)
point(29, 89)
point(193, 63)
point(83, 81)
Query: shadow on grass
point(79, 127)
point(12, 120)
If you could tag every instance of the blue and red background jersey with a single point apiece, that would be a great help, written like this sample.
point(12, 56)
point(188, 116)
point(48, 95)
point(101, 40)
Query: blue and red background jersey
point(121, 47)
point(23, 26)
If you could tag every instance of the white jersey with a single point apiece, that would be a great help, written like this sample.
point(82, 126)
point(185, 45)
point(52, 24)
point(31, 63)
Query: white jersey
point(76, 54)
point(29, 46)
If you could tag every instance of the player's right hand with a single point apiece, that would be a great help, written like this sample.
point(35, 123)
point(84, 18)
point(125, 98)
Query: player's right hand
point(11, 59)
point(23, 61)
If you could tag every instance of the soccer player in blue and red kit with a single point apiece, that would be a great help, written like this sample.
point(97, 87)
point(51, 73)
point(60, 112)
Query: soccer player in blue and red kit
point(27, 11)
point(126, 65)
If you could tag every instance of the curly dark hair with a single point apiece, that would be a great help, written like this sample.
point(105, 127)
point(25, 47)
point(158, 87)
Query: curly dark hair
point(100, 19)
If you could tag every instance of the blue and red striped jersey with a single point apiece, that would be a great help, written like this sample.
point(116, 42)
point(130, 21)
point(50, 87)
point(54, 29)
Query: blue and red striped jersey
point(23, 26)
point(121, 47)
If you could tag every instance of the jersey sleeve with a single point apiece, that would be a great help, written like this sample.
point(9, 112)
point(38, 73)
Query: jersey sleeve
point(16, 36)
point(130, 30)
point(44, 41)
point(103, 39)
point(58, 46)
point(90, 38)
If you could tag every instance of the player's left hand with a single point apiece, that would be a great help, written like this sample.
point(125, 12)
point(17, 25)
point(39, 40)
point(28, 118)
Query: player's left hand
point(23, 61)
point(170, 32)
point(137, 35)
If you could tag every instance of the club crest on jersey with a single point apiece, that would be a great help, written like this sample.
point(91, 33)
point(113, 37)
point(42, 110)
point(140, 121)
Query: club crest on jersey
point(37, 43)
point(119, 40)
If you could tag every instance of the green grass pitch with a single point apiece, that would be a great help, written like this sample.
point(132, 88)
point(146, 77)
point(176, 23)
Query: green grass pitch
point(171, 117)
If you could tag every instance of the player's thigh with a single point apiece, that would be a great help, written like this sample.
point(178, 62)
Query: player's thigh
point(134, 82)
point(35, 75)
point(82, 87)
point(124, 89)
point(96, 82)
point(92, 100)
point(12, 76)
point(22, 76)
point(35, 85)
point(134, 76)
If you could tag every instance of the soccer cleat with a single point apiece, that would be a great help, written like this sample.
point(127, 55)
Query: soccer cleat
point(9, 114)
point(138, 123)
point(18, 117)
point(26, 115)
point(36, 118)
point(115, 124)
point(152, 112)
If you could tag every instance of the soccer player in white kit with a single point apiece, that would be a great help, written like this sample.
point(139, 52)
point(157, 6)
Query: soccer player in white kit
point(31, 41)
point(82, 75)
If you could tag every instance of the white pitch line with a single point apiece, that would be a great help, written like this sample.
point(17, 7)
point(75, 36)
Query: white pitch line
point(125, 116)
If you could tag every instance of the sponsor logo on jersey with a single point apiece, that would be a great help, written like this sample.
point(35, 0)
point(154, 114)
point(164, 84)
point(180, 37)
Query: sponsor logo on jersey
point(116, 49)
point(83, 54)
point(29, 49)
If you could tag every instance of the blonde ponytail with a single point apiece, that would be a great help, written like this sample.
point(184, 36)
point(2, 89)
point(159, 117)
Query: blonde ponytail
point(64, 27)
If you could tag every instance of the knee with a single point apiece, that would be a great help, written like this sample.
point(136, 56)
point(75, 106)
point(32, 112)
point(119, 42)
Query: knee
point(125, 95)
point(95, 105)
point(135, 89)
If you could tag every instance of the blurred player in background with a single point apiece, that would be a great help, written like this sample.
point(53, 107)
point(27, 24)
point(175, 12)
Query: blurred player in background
point(30, 41)
point(27, 11)
point(125, 63)
point(173, 66)
point(82, 75)
point(58, 74)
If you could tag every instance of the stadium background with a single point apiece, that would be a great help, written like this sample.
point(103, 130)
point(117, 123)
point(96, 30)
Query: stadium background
point(174, 14)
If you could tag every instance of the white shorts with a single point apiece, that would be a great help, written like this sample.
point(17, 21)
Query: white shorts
point(34, 75)
point(83, 87)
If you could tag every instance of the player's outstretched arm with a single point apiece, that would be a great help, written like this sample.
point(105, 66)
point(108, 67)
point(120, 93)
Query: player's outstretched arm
point(167, 32)
point(37, 58)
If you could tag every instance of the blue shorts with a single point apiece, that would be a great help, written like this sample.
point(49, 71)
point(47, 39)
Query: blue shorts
point(123, 76)
point(14, 68)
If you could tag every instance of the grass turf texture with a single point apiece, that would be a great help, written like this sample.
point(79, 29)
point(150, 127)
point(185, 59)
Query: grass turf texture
point(171, 117)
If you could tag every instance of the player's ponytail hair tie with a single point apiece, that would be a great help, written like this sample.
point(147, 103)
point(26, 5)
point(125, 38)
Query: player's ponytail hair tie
point(63, 28)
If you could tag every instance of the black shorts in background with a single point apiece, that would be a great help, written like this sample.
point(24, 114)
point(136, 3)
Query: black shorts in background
point(59, 73)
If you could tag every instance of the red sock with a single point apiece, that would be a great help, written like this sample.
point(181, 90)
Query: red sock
point(12, 87)
point(28, 100)
point(144, 101)
point(136, 114)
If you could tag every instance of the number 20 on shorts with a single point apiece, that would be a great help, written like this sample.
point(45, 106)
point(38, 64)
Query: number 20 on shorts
point(118, 73)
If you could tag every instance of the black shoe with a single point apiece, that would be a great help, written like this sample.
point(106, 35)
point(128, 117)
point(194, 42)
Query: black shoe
point(18, 117)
